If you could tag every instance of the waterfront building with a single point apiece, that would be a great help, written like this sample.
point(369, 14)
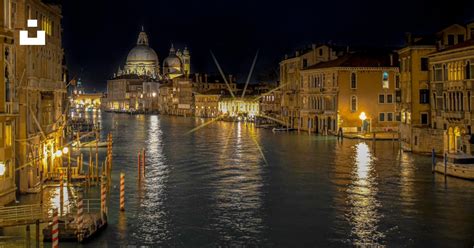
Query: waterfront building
point(8, 103)
point(165, 96)
point(182, 97)
point(341, 92)
point(413, 94)
point(86, 101)
point(235, 107)
point(136, 87)
point(290, 78)
point(452, 84)
point(124, 93)
point(41, 93)
point(207, 103)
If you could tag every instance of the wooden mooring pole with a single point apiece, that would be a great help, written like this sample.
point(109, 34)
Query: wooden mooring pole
point(122, 191)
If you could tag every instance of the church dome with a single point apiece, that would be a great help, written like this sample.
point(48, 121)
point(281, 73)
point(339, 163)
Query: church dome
point(142, 53)
point(172, 61)
point(142, 59)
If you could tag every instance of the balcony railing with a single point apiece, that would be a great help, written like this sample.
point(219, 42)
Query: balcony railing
point(453, 115)
point(11, 107)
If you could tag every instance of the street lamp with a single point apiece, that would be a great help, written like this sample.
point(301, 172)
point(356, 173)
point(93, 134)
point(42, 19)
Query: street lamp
point(154, 94)
point(362, 117)
point(59, 153)
point(65, 150)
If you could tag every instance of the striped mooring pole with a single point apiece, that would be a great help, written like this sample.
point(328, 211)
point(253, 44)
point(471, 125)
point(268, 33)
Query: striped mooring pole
point(103, 199)
point(61, 192)
point(122, 191)
point(55, 231)
point(80, 212)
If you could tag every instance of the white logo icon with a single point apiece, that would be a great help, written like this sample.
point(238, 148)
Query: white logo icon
point(39, 40)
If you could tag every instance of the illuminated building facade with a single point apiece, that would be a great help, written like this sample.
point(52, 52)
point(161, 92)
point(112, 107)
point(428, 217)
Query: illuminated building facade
point(137, 86)
point(451, 84)
point(335, 93)
point(247, 107)
point(290, 78)
point(417, 98)
point(8, 103)
point(207, 103)
point(42, 98)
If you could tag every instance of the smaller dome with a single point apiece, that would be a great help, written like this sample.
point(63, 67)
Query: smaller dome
point(172, 61)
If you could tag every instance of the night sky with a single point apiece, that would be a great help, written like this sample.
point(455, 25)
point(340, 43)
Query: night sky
point(98, 34)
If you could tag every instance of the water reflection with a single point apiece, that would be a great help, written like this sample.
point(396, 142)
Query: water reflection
point(363, 215)
point(238, 196)
point(153, 192)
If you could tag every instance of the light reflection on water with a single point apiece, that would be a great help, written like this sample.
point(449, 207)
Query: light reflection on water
point(363, 215)
point(213, 188)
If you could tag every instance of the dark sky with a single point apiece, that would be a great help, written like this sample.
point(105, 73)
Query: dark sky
point(98, 34)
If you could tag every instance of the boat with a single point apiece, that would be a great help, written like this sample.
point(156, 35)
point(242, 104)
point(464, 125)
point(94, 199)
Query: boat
point(457, 165)
point(282, 129)
point(93, 225)
point(92, 144)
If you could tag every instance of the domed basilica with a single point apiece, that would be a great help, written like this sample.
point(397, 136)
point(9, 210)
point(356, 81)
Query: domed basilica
point(142, 60)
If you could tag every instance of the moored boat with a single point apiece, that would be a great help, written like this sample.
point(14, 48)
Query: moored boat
point(457, 165)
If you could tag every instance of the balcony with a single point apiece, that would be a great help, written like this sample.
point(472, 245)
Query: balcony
point(11, 108)
point(453, 115)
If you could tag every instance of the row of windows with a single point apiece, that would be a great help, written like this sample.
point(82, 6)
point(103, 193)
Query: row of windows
point(453, 71)
point(385, 98)
point(387, 117)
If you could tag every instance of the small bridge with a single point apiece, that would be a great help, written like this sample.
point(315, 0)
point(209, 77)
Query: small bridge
point(29, 214)
point(22, 215)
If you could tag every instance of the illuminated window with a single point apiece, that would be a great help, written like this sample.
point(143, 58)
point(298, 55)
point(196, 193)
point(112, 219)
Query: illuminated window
point(385, 83)
point(8, 135)
point(353, 103)
point(353, 81)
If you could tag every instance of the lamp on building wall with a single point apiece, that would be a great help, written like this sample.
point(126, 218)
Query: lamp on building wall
point(154, 94)
point(2, 169)
point(362, 117)
point(59, 153)
point(65, 150)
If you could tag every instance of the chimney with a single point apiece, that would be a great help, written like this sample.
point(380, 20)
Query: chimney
point(391, 59)
point(286, 56)
point(313, 46)
point(347, 49)
point(196, 75)
point(230, 78)
point(205, 77)
point(297, 53)
point(408, 39)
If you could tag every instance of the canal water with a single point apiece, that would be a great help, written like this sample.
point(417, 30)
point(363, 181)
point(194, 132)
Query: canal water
point(230, 184)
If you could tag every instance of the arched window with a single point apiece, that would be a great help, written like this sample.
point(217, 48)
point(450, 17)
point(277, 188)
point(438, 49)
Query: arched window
point(385, 83)
point(353, 103)
point(353, 81)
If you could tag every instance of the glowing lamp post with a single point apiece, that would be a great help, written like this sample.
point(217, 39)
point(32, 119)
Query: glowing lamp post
point(65, 150)
point(362, 117)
